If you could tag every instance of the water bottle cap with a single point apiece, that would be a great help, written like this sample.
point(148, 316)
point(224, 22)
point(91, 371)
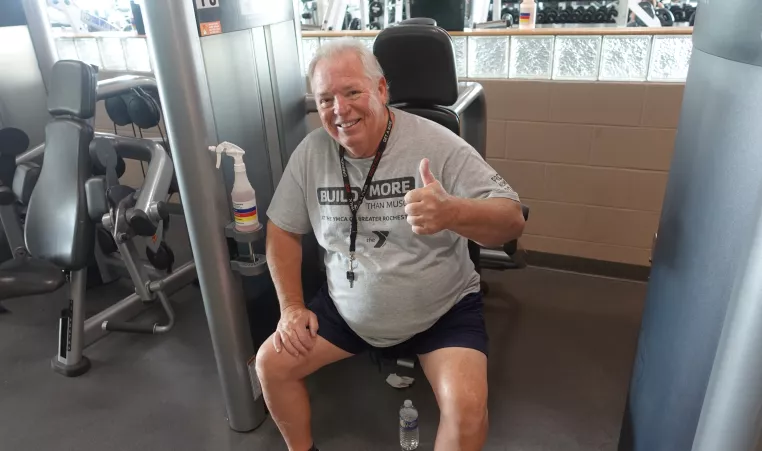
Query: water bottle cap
point(408, 403)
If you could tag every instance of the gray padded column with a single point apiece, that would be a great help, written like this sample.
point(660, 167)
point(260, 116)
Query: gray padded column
point(179, 68)
point(702, 282)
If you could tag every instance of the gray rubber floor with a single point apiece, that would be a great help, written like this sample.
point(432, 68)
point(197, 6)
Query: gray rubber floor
point(562, 347)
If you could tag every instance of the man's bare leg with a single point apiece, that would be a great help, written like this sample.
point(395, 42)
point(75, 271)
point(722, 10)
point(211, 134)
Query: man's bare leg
point(282, 378)
point(459, 379)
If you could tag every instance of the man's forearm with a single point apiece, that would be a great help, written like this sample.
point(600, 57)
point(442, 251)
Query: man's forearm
point(490, 222)
point(284, 259)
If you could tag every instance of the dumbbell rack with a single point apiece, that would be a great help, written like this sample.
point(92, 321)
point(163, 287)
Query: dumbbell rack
point(553, 12)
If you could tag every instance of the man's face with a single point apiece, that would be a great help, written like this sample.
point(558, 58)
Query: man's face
point(350, 105)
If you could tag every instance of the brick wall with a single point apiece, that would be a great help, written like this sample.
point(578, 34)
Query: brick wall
point(590, 159)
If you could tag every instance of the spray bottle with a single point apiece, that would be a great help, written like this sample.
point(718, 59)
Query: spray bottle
point(527, 14)
point(243, 196)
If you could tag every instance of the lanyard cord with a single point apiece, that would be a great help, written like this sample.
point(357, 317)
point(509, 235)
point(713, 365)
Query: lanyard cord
point(354, 207)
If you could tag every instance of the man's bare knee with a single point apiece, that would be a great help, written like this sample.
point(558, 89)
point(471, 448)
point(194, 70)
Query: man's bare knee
point(273, 366)
point(467, 412)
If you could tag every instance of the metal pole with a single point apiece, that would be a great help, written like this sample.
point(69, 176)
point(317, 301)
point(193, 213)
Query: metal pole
point(175, 49)
point(730, 418)
point(36, 12)
point(497, 8)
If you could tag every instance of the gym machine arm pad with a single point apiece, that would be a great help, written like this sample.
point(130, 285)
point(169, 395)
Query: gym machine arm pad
point(149, 208)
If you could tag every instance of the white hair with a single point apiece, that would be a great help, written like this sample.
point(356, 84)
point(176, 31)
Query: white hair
point(338, 46)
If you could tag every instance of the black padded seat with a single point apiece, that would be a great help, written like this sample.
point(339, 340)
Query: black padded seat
point(27, 277)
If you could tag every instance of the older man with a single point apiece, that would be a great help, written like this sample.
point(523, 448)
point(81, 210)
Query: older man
point(393, 199)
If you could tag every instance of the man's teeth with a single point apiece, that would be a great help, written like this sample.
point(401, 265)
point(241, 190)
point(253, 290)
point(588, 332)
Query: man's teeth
point(348, 124)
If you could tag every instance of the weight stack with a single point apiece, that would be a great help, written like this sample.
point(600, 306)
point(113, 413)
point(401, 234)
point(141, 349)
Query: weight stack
point(449, 14)
point(697, 377)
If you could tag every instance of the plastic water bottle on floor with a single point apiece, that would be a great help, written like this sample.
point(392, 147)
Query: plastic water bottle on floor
point(408, 426)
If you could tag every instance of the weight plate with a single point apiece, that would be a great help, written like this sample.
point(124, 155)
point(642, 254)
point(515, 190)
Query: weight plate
point(665, 16)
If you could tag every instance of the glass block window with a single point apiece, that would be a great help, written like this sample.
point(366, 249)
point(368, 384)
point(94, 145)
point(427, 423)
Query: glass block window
point(625, 58)
point(136, 53)
point(368, 42)
point(88, 51)
point(460, 43)
point(327, 39)
point(670, 56)
point(66, 49)
point(531, 57)
point(112, 54)
point(309, 48)
point(577, 57)
point(488, 56)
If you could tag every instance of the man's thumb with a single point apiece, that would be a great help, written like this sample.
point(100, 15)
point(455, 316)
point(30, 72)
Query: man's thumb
point(426, 176)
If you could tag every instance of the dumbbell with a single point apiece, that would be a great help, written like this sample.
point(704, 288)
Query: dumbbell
point(375, 10)
point(355, 24)
point(577, 15)
point(541, 18)
point(589, 15)
point(678, 12)
point(612, 14)
point(551, 15)
point(514, 12)
point(601, 15)
point(688, 10)
point(565, 15)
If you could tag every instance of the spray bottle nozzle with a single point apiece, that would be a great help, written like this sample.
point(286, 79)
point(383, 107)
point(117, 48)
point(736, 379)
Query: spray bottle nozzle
point(229, 148)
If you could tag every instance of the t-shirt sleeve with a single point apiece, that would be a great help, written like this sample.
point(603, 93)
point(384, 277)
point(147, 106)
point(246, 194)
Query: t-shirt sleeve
point(470, 176)
point(288, 208)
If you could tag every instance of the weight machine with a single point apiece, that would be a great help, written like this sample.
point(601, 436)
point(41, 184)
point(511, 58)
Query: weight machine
point(60, 250)
point(338, 17)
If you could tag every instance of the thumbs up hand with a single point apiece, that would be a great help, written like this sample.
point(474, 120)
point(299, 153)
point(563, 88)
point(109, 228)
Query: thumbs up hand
point(429, 209)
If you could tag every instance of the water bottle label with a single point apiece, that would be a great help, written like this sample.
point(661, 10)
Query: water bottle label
point(245, 212)
point(408, 425)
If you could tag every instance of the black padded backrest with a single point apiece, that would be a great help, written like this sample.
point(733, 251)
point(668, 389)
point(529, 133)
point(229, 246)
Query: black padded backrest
point(73, 89)
point(418, 61)
point(58, 226)
point(440, 115)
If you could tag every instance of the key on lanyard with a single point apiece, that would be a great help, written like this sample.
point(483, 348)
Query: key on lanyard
point(351, 273)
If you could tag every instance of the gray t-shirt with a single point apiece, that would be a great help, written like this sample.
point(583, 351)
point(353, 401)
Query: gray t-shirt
point(404, 282)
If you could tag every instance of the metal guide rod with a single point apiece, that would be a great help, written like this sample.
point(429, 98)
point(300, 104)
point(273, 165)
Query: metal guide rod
point(175, 49)
point(36, 12)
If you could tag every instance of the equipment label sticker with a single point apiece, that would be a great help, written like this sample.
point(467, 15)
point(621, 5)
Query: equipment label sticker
point(201, 4)
point(210, 28)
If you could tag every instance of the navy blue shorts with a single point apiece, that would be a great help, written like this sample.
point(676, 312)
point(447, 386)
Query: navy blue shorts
point(462, 326)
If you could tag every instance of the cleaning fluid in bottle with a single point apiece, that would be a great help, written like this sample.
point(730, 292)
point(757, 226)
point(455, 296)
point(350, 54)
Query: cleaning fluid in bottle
point(243, 195)
point(408, 426)
point(527, 14)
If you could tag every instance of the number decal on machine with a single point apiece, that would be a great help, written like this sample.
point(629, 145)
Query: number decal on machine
point(201, 4)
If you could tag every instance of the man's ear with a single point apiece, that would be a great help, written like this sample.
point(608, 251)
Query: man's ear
point(383, 89)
